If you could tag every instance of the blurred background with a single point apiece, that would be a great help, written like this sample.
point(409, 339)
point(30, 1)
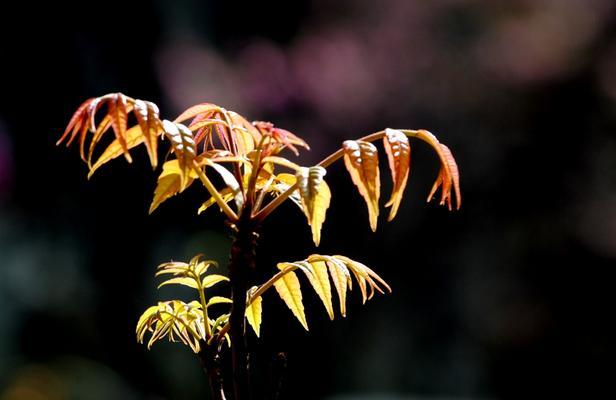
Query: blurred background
point(509, 298)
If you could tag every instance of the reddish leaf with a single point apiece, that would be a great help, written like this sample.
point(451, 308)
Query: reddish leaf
point(398, 152)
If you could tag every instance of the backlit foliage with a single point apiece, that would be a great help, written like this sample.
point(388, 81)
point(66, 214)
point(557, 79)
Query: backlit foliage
point(246, 156)
point(245, 173)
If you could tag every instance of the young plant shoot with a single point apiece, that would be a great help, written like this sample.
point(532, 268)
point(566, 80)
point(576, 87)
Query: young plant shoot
point(250, 159)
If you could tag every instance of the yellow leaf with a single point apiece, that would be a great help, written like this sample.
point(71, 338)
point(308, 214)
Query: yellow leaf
point(133, 137)
point(213, 279)
point(201, 267)
point(398, 152)
point(283, 182)
point(142, 325)
point(317, 276)
point(362, 162)
point(289, 290)
point(169, 183)
point(190, 282)
point(254, 311)
point(225, 193)
point(341, 277)
point(218, 300)
point(229, 180)
point(315, 197)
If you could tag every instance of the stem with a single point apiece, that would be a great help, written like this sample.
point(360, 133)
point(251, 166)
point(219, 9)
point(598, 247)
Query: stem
point(241, 267)
point(206, 319)
point(210, 362)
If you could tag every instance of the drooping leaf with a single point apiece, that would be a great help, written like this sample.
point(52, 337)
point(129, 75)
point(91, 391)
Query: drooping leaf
point(361, 160)
point(169, 183)
point(142, 323)
point(288, 288)
point(133, 137)
point(254, 311)
point(317, 276)
point(78, 127)
point(316, 268)
point(147, 117)
point(398, 152)
point(183, 146)
point(365, 277)
point(339, 274)
point(174, 319)
point(315, 198)
point(119, 120)
point(448, 175)
point(282, 137)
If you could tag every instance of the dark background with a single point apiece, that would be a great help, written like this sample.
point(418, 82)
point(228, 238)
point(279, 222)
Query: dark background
point(509, 298)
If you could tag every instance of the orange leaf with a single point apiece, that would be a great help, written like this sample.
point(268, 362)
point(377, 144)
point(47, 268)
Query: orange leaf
point(183, 146)
point(362, 162)
point(398, 152)
point(169, 183)
point(448, 175)
point(196, 110)
point(77, 126)
point(133, 138)
point(119, 121)
point(147, 117)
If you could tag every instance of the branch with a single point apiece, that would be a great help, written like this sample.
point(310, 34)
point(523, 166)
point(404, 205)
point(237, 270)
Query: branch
point(326, 162)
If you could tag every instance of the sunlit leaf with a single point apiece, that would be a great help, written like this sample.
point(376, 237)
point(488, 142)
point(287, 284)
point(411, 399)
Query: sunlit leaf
point(78, 127)
point(288, 288)
point(147, 117)
point(169, 183)
point(398, 152)
point(119, 120)
point(225, 193)
point(229, 180)
point(183, 146)
point(315, 197)
point(318, 278)
point(174, 319)
point(192, 112)
point(201, 267)
point(448, 175)
point(254, 311)
point(362, 162)
point(211, 280)
point(190, 282)
point(218, 300)
point(283, 182)
point(133, 137)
